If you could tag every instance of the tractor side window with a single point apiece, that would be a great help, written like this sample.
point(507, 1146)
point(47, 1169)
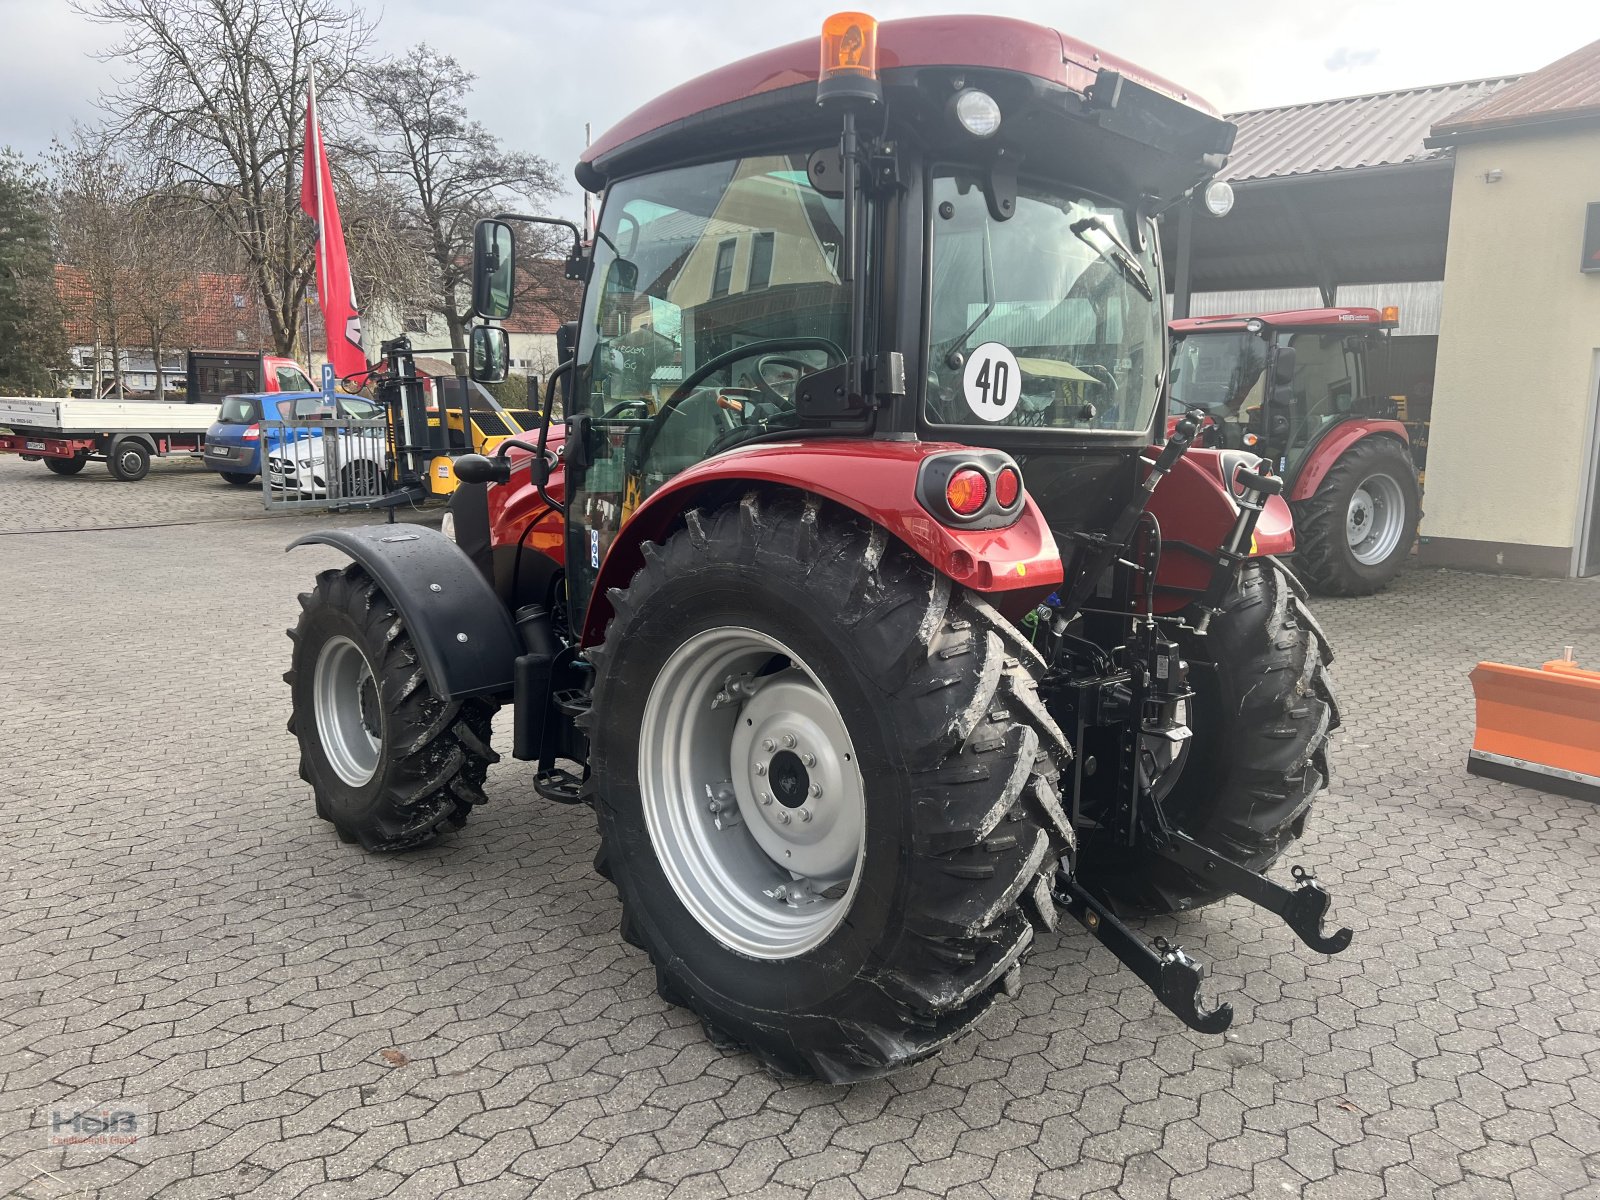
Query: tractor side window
point(1056, 309)
point(714, 289)
point(1324, 387)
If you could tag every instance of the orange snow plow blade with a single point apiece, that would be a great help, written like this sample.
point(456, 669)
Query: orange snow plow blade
point(1538, 728)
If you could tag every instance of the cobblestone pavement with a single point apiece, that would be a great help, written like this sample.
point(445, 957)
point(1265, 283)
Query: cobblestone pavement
point(178, 489)
point(179, 931)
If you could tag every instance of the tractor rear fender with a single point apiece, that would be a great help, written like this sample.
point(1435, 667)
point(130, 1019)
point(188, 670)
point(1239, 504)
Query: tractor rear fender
point(1330, 447)
point(462, 631)
point(877, 479)
point(1196, 510)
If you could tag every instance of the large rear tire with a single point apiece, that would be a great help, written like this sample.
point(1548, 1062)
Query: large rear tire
point(1262, 711)
point(392, 765)
point(781, 641)
point(67, 466)
point(1356, 532)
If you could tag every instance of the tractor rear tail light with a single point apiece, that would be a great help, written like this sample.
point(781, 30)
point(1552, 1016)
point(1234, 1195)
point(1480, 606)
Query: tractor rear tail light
point(971, 489)
point(966, 492)
point(251, 433)
point(1007, 487)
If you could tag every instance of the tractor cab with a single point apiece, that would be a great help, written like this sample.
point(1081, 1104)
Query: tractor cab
point(857, 592)
point(1301, 389)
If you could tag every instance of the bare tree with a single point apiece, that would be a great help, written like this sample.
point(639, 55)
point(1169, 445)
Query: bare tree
point(93, 196)
point(452, 170)
point(169, 240)
point(214, 91)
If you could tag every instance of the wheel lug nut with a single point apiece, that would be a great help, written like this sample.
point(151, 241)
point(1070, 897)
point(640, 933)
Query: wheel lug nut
point(761, 768)
point(816, 789)
point(805, 814)
point(784, 818)
point(810, 760)
point(764, 798)
point(788, 740)
point(768, 745)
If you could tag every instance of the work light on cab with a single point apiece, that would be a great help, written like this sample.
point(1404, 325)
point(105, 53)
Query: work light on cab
point(966, 491)
point(978, 112)
point(849, 68)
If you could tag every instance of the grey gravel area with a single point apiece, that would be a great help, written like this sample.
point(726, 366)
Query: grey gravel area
point(181, 935)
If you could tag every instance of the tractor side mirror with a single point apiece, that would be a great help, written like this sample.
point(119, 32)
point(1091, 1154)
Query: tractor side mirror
point(494, 258)
point(1283, 366)
point(489, 353)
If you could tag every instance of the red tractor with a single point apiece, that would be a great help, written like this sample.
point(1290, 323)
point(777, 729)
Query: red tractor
point(853, 596)
point(1296, 387)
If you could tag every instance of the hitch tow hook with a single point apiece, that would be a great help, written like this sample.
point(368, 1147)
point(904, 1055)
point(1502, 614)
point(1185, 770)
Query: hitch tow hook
point(1301, 907)
point(1166, 970)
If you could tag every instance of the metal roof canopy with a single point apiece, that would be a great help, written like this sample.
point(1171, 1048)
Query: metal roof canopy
point(1334, 192)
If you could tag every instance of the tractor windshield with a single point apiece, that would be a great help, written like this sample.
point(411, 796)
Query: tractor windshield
point(1048, 319)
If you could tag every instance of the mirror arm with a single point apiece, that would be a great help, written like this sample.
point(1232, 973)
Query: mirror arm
point(544, 435)
point(575, 258)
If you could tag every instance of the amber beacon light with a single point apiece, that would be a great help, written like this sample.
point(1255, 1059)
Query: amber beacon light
point(849, 58)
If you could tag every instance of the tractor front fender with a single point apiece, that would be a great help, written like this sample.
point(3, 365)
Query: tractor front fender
point(1330, 448)
point(462, 631)
point(1197, 510)
point(877, 479)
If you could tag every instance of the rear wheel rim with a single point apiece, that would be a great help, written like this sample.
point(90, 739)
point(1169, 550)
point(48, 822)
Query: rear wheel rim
point(349, 724)
point(752, 793)
point(1375, 519)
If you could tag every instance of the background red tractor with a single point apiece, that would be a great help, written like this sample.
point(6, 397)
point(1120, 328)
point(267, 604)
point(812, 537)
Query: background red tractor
point(853, 596)
point(1299, 388)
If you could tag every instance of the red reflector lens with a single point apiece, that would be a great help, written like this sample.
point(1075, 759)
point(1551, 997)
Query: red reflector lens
point(966, 492)
point(1007, 487)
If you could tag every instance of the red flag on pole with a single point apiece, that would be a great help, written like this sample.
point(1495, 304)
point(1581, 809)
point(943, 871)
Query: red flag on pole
point(336, 294)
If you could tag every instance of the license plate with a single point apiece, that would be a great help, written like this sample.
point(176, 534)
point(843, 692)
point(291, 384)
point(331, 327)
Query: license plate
point(222, 451)
point(35, 445)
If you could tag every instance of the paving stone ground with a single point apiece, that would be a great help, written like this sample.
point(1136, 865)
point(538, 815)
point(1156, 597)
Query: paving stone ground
point(178, 931)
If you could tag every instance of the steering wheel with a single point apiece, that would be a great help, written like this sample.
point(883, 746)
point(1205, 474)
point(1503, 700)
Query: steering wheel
point(768, 390)
point(617, 409)
point(763, 348)
point(1105, 379)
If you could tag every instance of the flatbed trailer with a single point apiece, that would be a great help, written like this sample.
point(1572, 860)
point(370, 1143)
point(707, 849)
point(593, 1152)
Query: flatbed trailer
point(124, 434)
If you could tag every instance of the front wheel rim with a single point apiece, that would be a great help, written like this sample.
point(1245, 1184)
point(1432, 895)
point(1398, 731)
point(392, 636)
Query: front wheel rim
point(1374, 520)
point(349, 725)
point(752, 793)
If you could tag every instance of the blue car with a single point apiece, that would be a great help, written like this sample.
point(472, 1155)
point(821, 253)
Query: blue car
point(233, 443)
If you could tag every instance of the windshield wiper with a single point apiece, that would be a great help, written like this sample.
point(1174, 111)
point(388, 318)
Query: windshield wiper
point(1127, 262)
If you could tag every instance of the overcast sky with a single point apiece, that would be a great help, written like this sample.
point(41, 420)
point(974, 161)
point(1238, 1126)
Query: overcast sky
point(544, 69)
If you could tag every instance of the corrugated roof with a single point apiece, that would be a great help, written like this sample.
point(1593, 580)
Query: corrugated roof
point(1567, 88)
point(1382, 129)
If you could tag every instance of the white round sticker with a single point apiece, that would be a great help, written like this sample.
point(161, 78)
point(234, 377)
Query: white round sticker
point(992, 382)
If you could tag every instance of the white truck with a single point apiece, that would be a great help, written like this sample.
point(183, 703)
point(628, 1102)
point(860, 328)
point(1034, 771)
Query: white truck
point(124, 434)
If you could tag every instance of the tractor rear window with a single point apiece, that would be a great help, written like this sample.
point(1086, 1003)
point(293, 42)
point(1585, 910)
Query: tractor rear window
point(1049, 319)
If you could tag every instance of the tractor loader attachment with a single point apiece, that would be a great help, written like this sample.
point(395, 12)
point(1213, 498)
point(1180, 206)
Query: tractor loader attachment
point(1538, 728)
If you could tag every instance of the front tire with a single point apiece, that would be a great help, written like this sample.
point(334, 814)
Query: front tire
point(1261, 715)
point(928, 859)
point(392, 765)
point(1356, 532)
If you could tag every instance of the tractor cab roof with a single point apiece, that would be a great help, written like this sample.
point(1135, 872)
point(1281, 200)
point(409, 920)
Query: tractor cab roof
point(1295, 319)
point(773, 95)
